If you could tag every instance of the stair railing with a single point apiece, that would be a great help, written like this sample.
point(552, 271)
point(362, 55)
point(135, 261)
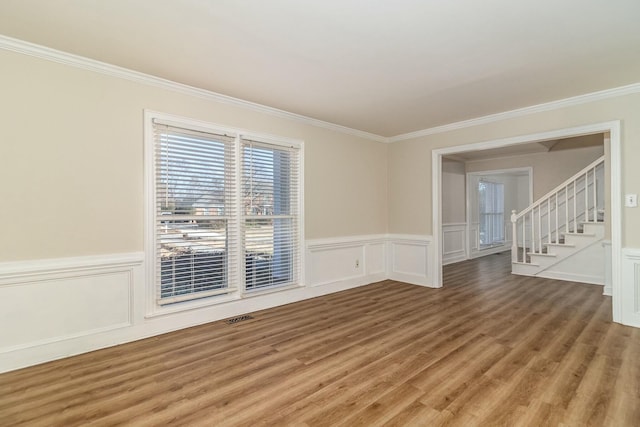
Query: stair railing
point(579, 199)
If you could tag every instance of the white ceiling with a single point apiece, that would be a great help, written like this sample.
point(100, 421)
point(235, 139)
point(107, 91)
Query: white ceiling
point(381, 66)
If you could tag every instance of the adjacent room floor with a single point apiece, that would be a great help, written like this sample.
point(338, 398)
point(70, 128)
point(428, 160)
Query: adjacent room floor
point(487, 349)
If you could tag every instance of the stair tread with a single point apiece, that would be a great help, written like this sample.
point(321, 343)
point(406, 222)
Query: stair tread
point(525, 263)
point(568, 245)
point(541, 254)
point(579, 234)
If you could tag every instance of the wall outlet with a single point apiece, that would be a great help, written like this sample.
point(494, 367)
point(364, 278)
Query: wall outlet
point(631, 200)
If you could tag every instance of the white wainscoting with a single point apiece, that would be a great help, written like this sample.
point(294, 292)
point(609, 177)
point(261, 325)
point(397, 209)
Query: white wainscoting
point(52, 309)
point(55, 308)
point(630, 289)
point(454, 243)
point(411, 259)
point(351, 260)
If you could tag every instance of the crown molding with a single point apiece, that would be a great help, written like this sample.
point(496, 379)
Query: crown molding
point(46, 53)
point(547, 106)
point(49, 54)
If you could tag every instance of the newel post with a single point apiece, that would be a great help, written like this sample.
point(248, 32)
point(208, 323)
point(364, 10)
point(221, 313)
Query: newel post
point(514, 237)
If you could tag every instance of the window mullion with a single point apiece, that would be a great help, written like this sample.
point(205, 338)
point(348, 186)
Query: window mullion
point(238, 219)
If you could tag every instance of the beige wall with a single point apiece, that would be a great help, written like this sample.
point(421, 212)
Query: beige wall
point(453, 192)
point(410, 161)
point(549, 169)
point(71, 162)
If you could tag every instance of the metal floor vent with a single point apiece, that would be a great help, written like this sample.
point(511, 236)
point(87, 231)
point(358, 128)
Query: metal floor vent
point(235, 320)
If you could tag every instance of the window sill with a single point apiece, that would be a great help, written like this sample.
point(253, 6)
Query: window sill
point(180, 307)
point(271, 290)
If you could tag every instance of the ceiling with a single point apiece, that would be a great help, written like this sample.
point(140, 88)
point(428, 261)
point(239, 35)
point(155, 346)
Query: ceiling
point(380, 66)
point(577, 142)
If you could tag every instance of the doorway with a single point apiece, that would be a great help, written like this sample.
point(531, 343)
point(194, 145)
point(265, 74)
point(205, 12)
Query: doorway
point(612, 132)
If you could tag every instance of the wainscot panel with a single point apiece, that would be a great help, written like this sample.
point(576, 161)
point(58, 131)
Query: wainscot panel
point(55, 308)
point(454, 243)
point(631, 287)
point(352, 260)
point(410, 259)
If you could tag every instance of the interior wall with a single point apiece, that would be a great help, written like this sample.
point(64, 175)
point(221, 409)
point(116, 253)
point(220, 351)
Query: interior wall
point(549, 169)
point(72, 161)
point(73, 277)
point(410, 165)
point(453, 192)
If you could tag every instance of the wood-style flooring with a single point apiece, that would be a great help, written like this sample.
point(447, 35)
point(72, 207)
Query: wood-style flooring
point(488, 349)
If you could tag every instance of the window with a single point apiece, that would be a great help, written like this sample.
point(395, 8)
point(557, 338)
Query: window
point(224, 211)
point(491, 200)
point(270, 217)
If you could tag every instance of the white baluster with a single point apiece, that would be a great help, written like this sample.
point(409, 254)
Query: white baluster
point(575, 208)
point(549, 220)
point(524, 239)
point(514, 238)
point(557, 226)
point(533, 228)
point(566, 209)
point(595, 197)
point(586, 196)
point(539, 229)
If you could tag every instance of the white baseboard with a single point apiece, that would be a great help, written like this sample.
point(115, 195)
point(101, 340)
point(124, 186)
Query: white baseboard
point(572, 277)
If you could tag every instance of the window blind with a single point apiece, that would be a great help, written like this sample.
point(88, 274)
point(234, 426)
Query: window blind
point(195, 210)
point(270, 214)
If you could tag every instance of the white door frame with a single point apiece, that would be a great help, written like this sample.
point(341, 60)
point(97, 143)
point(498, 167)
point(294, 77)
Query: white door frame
point(612, 128)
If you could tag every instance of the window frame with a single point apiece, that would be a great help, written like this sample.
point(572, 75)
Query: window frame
point(237, 280)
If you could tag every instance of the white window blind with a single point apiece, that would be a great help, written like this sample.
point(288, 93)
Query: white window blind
point(491, 200)
point(196, 232)
point(270, 209)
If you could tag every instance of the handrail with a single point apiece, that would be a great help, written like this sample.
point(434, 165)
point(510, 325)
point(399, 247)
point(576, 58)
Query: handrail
point(544, 198)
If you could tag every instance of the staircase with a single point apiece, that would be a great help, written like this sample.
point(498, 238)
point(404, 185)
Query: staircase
point(560, 235)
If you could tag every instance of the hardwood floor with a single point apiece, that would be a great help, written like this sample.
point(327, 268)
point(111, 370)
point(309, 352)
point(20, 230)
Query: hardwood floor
point(487, 349)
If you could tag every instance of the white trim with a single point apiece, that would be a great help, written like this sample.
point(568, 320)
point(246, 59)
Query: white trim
point(42, 52)
point(345, 241)
point(519, 112)
point(234, 291)
point(606, 244)
point(612, 127)
point(14, 272)
point(571, 277)
point(49, 54)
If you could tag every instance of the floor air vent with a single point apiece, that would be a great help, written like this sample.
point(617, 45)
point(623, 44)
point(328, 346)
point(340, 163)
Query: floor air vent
point(235, 320)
